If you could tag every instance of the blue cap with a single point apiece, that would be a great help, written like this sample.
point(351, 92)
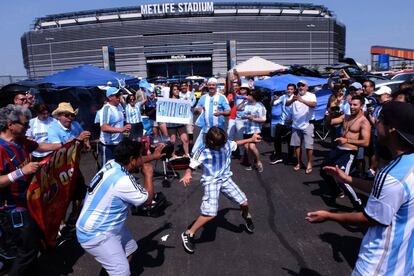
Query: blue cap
point(111, 91)
point(356, 85)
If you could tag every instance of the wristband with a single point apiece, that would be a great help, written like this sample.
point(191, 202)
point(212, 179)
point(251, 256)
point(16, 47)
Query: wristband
point(16, 175)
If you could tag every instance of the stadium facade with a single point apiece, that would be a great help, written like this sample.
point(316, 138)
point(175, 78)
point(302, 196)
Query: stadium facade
point(188, 38)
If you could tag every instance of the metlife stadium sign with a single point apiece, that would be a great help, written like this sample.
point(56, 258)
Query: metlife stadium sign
point(177, 8)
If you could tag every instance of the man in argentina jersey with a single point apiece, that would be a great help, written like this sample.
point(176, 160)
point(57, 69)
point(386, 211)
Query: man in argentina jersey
point(213, 107)
point(388, 245)
point(100, 228)
point(111, 121)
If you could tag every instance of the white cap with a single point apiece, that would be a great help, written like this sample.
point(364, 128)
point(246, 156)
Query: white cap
point(212, 80)
point(383, 90)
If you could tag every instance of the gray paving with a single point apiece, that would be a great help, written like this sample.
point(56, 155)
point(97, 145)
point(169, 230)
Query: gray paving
point(283, 243)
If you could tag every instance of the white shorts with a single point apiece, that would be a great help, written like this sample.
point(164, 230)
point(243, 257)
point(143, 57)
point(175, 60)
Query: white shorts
point(112, 251)
point(209, 204)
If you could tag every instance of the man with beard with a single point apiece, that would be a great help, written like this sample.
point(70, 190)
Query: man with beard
point(356, 133)
point(101, 229)
point(387, 247)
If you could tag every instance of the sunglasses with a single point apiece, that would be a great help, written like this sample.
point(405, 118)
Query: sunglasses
point(301, 84)
point(22, 99)
point(25, 124)
point(69, 115)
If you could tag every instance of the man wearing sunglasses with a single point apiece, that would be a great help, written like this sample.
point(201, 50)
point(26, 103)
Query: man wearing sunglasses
point(15, 150)
point(61, 131)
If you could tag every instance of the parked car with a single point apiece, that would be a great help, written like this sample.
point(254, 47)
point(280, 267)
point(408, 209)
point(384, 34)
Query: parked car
point(355, 72)
point(403, 76)
point(393, 84)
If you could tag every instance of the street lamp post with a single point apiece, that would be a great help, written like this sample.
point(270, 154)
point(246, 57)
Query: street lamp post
point(50, 39)
point(310, 26)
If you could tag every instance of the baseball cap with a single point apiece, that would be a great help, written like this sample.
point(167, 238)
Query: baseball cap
point(212, 80)
point(400, 116)
point(111, 91)
point(303, 82)
point(245, 85)
point(356, 85)
point(383, 90)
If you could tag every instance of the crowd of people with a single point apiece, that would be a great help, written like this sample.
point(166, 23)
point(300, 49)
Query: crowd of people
point(365, 124)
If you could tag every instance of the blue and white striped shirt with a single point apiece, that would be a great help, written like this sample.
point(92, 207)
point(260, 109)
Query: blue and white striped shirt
point(189, 96)
point(114, 117)
point(210, 105)
point(240, 99)
point(286, 115)
point(388, 247)
point(258, 111)
point(38, 132)
point(216, 163)
point(111, 192)
point(133, 114)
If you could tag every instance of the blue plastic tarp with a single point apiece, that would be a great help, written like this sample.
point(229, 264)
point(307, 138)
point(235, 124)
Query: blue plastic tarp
point(279, 83)
point(86, 76)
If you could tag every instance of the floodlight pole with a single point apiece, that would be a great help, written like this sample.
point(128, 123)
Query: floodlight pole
point(310, 26)
point(50, 39)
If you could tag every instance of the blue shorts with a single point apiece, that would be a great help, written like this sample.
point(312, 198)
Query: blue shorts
point(209, 205)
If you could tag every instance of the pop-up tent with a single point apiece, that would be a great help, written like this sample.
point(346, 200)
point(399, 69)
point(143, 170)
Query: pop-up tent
point(279, 83)
point(86, 76)
point(257, 66)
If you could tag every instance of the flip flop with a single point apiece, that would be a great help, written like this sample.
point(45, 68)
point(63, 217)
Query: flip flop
point(297, 167)
point(308, 171)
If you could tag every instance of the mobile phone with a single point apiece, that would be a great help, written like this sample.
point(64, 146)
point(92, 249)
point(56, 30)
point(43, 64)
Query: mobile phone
point(17, 218)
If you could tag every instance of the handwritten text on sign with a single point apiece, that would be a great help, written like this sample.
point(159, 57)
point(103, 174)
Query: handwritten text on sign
point(173, 111)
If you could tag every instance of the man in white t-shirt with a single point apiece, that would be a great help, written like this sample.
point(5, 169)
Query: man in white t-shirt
point(303, 105)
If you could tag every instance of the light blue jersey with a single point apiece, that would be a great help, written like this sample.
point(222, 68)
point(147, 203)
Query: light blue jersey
point(216, 163)
point(59, 134)
point(258, 111)
point(111, 192)
point(240, 102)
point(189, 96)
point(38, 131)
point(211, 105)
point(114, 117)
point(388, 247)
point(133, 114)
point(286, 115)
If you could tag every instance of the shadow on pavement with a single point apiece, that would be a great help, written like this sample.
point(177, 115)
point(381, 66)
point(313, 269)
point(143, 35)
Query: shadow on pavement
point(302, 272)
point(146, 246)
point(208, 233)
point(344, 248)
point(60, 260)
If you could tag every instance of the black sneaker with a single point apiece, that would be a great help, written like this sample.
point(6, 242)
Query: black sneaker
point(249, 225)
point(188, 242)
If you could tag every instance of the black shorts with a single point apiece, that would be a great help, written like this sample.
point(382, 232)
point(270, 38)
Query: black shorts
point(248, 136)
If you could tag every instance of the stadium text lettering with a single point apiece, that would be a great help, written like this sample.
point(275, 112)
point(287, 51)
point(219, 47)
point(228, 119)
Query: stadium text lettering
point(173, 8)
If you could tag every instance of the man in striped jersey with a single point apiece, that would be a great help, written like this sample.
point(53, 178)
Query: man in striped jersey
point(216, 158)
point(388, 245)
point(213, 107)
point(100, 228)
point(111, 121)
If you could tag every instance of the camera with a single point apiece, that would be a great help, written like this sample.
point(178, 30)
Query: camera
point(335, 111)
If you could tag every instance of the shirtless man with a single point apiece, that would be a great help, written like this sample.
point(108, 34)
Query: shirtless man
point(356, 133)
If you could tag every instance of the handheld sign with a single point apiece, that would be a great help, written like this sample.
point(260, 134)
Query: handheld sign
point(173, 111)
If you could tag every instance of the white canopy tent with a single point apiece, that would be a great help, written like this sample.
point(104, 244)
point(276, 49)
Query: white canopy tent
point(257, 66)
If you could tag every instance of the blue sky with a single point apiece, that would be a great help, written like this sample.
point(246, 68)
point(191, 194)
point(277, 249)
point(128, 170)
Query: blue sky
point(368, 23)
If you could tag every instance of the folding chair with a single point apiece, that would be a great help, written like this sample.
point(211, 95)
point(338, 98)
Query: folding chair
point(321, 130)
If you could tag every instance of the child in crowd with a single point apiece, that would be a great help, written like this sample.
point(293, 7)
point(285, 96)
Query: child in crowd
point(215, 156)
point(254, 114)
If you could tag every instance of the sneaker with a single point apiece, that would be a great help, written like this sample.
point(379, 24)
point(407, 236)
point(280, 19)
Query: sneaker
point(188, 242)
point(249, 168)
point(249, 224)
point(276, 161)
point(259, 167)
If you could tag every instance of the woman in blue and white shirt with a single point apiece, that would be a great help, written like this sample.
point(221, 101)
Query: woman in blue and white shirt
point(175, 130)
point(255, 115)
point(133, 117)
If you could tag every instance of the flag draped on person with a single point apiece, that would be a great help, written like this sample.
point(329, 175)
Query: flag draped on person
point(51, 190)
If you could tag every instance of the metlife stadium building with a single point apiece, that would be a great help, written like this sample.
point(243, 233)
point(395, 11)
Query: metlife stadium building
point(187, 38)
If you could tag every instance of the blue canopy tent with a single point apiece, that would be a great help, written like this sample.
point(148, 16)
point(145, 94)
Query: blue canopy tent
point(86, 76)
point(279, 83)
